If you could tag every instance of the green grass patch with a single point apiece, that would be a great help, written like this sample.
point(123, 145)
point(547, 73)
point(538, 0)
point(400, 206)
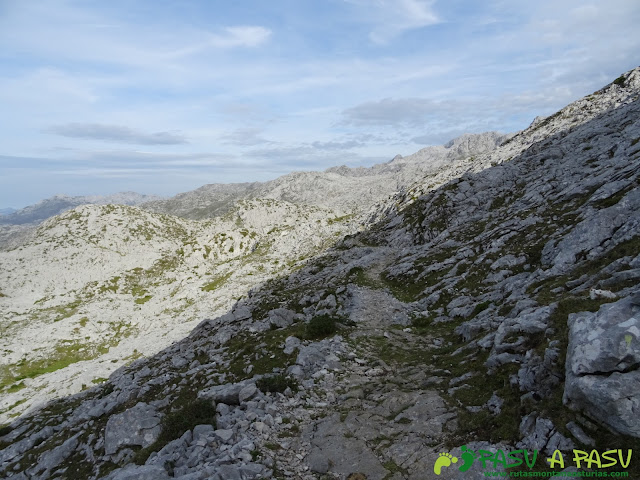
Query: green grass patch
point(143, 300)
point(216, 283)
point(343, 218)
point(615, 198)
point(16, 387)
point(61, 312)
point(64, 354)
point(480, 308)
point(394, 469)
point(261, 350)
point(497, 202)
point(110, 286)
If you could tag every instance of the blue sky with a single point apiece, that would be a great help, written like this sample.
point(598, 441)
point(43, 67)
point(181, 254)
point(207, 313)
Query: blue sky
point(164, 96)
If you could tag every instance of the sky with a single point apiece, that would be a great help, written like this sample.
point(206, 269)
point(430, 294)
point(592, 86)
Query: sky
point(164, 96)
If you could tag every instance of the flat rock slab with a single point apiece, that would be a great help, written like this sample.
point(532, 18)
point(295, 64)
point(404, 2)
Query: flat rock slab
point(331, 451)
point(140, 425)
point(375, 308)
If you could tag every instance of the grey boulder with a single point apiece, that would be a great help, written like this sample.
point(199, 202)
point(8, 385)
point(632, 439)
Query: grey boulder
point(140, 425)
point(603, 356)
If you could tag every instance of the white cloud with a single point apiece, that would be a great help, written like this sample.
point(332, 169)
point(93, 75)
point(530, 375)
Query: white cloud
point(59, 29)
point(244, 36)
point(247, 136)
point(391, 18)
point(394, 112)
point(116, 133)
point(337, 145)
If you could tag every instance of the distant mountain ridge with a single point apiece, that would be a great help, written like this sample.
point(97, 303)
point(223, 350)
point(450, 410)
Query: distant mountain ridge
point(346, 189)
point(58, 204)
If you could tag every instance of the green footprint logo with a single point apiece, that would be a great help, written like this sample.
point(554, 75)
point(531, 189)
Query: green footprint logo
point(467, 457)
point(444, 460)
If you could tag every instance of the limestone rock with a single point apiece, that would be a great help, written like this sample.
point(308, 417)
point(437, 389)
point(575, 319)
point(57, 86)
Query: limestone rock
point(136, 472)
point(140, 425)
point(602, 360)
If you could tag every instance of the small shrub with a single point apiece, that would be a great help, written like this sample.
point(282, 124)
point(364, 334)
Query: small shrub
point(276, 383)
point(497, 203)
point(321, 326)
point(421, 322)
point(174, 424)
point(480, 307)
point(620, 80)
point(195, 413)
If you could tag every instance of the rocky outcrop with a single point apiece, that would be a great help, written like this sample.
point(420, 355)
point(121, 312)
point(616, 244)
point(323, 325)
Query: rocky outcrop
point(603, 365)
point(139, 425)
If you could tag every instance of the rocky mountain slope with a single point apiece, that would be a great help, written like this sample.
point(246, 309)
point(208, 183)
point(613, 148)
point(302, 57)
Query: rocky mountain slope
point(99, 286)
point(498, 310)
point(108, 284)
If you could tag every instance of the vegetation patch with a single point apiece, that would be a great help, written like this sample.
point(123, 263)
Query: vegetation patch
point(216, 283)
point(261, 351)
point(620, 81)
point(175, 423)
point(615, 198)
point(142, 300)
point(321, 326)
point(480, 308)
point(497, 202)
point(64, 354)
point(276, 383)
point(110, 286)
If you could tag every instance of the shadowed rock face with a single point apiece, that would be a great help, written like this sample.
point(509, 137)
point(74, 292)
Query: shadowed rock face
point(446, 321)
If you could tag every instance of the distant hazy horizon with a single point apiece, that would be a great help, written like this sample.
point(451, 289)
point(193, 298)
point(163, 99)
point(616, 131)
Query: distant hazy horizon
point(162, 97)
